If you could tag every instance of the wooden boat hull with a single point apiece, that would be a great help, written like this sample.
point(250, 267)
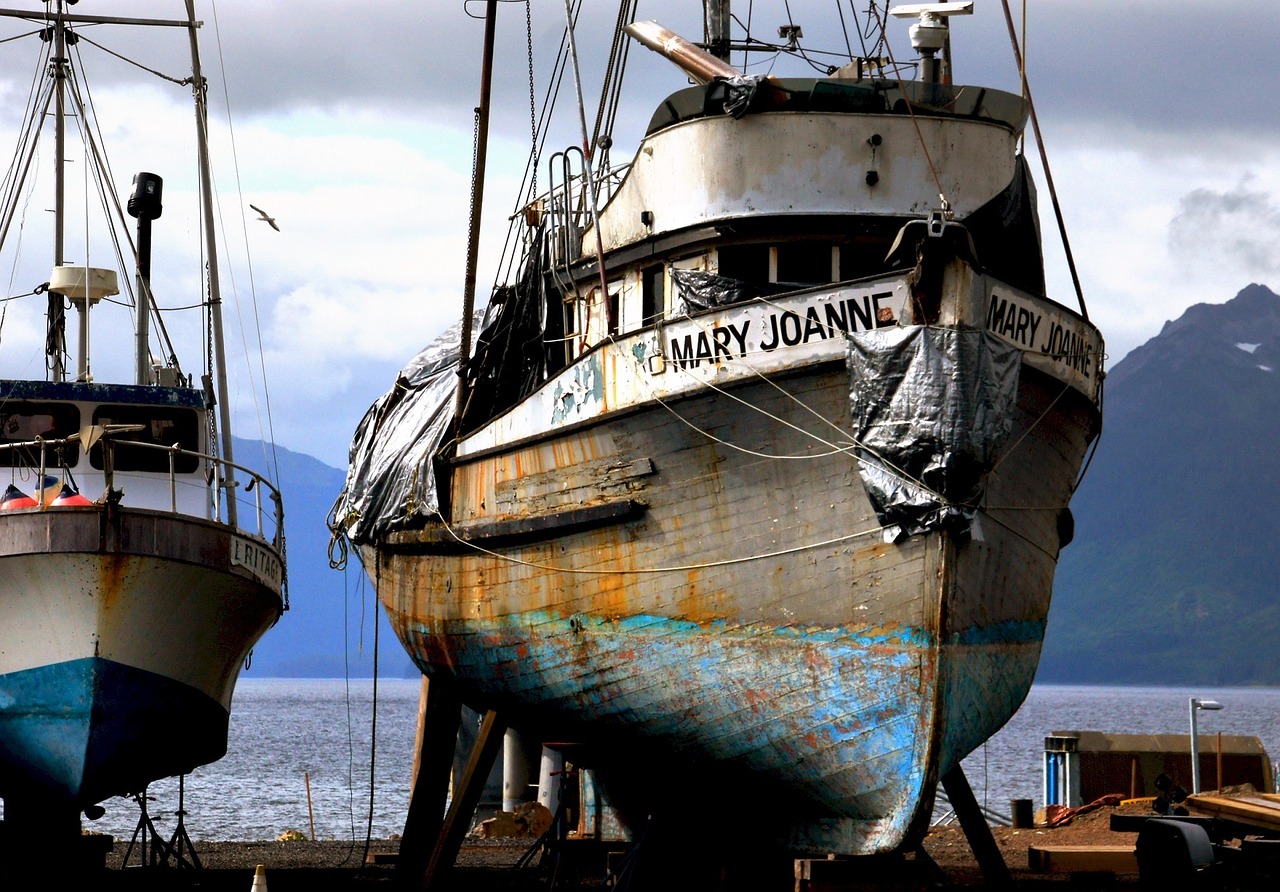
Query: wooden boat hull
point(123, 641)
point(701, 588)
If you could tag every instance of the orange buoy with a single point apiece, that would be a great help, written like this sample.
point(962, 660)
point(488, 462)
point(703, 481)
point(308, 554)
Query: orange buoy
point(70, 498)
point(15, 498)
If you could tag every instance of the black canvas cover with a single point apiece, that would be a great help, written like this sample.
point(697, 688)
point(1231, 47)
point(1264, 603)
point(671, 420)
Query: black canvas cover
point(391, 472)
point(932, 406)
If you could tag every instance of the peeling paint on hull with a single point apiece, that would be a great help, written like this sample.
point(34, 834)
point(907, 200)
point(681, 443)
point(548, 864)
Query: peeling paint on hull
point(751, 626)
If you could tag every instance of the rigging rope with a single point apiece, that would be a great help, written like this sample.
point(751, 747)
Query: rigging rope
point(611, 88)
point(136, 64)
point(915, 122)
point(1044, 161)
point(373, 735)
point(681, 568)
point(253, 291)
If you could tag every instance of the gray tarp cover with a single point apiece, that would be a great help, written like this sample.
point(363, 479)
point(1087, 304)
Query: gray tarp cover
point(390, 476)
point(696, 290)
point(933, 406)
point(739, 91)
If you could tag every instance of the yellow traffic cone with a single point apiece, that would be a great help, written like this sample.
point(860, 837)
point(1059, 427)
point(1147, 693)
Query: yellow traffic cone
point(259, 879)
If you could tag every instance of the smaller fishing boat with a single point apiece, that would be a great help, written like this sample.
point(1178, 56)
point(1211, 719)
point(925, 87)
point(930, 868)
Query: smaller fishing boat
point(141, 563)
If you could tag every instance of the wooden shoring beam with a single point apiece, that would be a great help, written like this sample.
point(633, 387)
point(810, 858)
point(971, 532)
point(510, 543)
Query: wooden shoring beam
point(463, 806)
point(439, 716)
point(975, 827)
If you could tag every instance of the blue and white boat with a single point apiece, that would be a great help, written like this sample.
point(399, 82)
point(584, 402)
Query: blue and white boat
point(140, 562)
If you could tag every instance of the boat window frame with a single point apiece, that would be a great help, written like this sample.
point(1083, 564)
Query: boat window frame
point(61, 429)
point(186, 461)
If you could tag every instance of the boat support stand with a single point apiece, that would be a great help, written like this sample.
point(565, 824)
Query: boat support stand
point(177, 851)
point(976, 829)
point(430, 843)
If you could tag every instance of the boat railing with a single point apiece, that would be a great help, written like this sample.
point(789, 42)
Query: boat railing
point(565, 203)
point(219, 469)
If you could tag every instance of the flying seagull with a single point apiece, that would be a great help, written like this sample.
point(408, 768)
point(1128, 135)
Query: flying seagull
point(262, 215)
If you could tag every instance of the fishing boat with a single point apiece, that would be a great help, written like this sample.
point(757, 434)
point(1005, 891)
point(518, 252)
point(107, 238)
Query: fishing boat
point(141, 562)
point(754, 480)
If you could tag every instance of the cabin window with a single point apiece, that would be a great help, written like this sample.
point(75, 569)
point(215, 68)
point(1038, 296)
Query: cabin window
point(864, 256)
point(804, 263)
point(570, 316)
point(746, 263)
point(653, 293)
point(161, 426)
point(615, 308)
point(569, 329)
point(21, 422)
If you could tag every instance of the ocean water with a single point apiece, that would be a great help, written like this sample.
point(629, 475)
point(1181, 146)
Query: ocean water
point(286, 732)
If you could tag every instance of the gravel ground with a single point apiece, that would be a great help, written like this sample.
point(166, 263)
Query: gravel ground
point(488, 865)
point(485, 865)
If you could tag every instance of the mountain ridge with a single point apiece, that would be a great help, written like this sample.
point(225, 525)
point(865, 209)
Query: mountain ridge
point(334, 618)
point(1169, 580)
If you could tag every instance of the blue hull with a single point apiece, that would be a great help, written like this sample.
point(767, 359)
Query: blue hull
point(81, 731)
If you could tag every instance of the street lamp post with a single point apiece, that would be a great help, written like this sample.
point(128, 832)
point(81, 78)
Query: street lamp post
point(1195, 706)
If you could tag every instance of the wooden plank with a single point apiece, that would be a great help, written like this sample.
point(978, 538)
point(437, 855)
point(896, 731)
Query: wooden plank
point(976, 829)
point(1078, 859)
point(1257, 811)
point(439, 714)
point(515, 530)
point(463, 807)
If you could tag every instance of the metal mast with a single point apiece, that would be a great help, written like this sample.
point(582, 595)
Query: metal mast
point(477, 202)
point(715, 27)
point(211, 250)
point(57, 315)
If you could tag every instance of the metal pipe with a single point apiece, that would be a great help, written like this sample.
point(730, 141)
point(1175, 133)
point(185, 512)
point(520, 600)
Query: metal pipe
point(589, 173)
point(145, 205)
point(40, 477)
point(57, 318)
point(1194, 706)
point(550, 778)
point(477, 202)
point(694, 61)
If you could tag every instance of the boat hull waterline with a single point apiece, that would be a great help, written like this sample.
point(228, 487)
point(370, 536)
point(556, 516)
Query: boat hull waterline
point(135, 626)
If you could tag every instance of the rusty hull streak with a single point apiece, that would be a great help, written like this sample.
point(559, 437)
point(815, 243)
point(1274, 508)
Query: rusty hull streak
point(113, 572)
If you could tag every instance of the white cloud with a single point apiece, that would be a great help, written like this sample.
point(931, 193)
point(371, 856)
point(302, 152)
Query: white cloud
point(1155, 231)
point(1237, 229)
point(353, 129)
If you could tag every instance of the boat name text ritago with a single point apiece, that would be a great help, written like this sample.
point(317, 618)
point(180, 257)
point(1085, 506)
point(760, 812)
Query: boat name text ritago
point(788, 328)
point(257, 559)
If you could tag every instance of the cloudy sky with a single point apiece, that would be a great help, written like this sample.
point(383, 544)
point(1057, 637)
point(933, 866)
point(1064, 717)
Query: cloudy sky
point(351, 124)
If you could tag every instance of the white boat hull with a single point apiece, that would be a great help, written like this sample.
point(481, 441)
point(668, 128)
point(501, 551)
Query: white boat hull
point(127, 639)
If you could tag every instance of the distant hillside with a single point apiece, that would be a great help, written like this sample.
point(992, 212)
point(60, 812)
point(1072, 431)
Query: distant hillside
point(328, 632)
point(1172, 576)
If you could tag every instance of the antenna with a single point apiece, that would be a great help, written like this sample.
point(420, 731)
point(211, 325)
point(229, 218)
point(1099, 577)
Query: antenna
point(929, 35)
